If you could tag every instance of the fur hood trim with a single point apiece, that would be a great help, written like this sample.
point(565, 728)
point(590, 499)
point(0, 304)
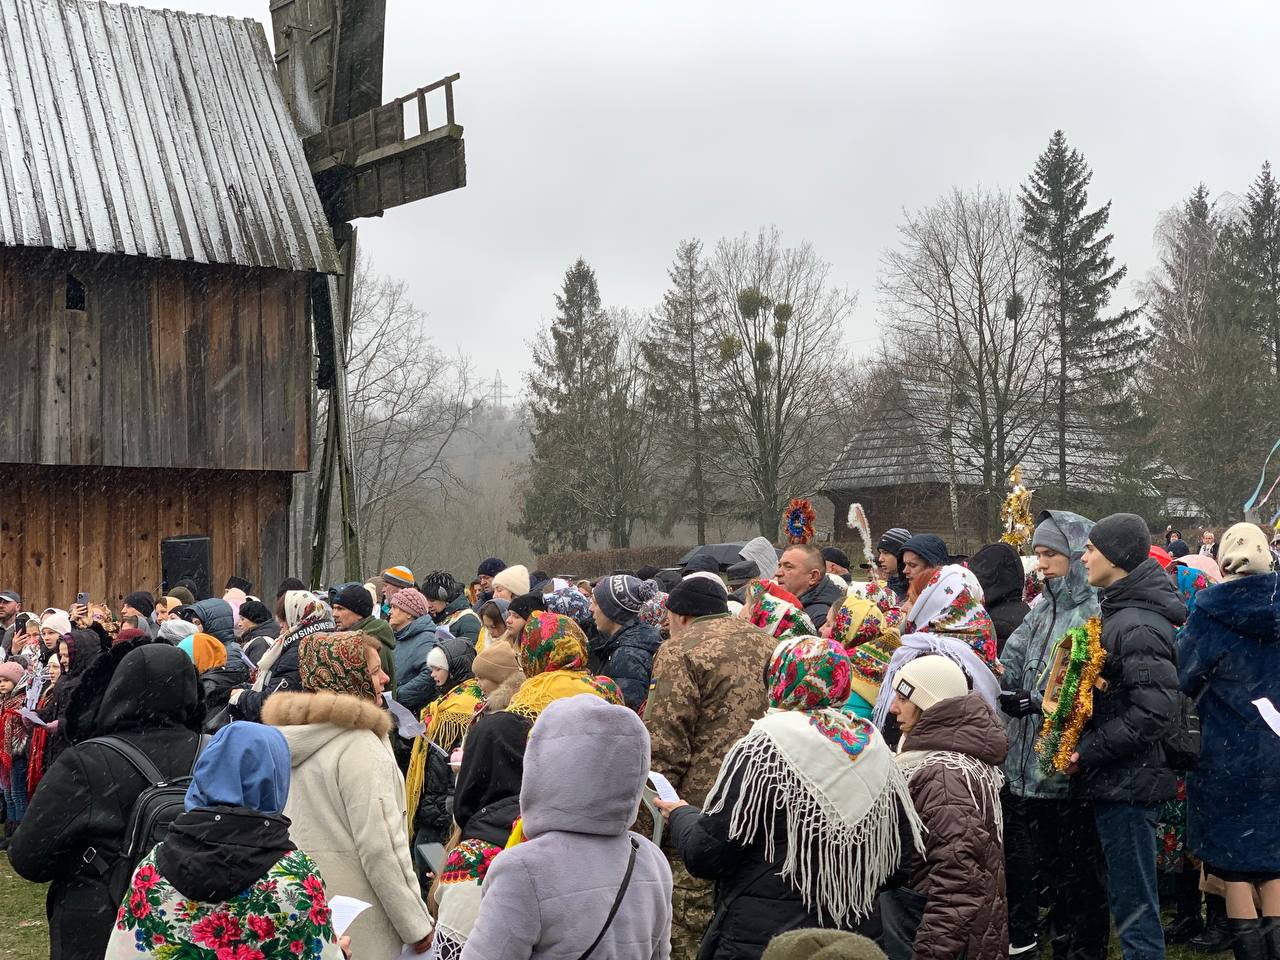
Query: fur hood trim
point(501, 696)
point(339, 709)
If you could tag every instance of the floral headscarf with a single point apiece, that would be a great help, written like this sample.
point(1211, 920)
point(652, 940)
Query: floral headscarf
point(886, 601)
point(808, 673)
point(654, 610)
point(569, 602)
point(1188, 582)
point(551, 641)
point(856, 621)
point(776, 611)
point(336, 662)
point(949, 606)
point(304, 610)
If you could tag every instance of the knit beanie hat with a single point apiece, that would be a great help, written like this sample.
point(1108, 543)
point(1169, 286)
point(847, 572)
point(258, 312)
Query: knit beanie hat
point(514, 578)
point(491, 567)
point(440, 585)
point(398, 576)
point(437, 659)
point(703, 562)
point(815, 944)
point(698, 597)
point(1243, 551)
point(11, 670)
point(930, 679)
point(183, 594)
point(893, 540)
point(355, 597)
point(141, 601)
point(174, 630)
point(620, 597)
point(58, 620)
point(525, 604)
point(127, 634)
point(411, 601)
point(1123, 538)
point(496, 663)
point(1049, 535)
point(255, 611)
point(929, 547)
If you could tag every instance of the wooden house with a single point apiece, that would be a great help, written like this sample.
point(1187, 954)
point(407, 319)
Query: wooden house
point(160, 232)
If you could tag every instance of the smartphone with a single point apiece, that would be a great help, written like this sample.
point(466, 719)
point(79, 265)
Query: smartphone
point(82, 599)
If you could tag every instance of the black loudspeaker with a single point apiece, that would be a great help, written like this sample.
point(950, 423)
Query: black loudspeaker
point(187, 558)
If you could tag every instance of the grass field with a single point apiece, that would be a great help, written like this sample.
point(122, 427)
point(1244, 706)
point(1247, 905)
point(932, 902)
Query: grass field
point(26, 936)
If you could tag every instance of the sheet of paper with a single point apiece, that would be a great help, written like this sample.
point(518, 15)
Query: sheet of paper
point(345, 910)
point(407, 725)
point(662, 787)
point(32, 716)
point(1269, 714)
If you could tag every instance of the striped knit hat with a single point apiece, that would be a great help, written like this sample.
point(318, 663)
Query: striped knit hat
point(398, 576)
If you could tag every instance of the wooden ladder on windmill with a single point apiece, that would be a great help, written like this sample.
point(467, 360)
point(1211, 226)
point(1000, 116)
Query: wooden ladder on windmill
point(366, 157)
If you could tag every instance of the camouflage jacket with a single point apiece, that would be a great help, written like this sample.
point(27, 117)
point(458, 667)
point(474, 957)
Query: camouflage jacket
point(708, 687)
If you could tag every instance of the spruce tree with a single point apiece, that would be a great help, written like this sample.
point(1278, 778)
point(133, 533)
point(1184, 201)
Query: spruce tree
point(1262, 212)
point(1095, 356)
point(677, 353)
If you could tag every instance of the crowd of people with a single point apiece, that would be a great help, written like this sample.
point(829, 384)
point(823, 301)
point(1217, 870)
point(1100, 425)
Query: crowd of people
point(774, 758)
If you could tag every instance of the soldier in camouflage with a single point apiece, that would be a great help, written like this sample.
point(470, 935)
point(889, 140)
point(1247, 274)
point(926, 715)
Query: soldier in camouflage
point(708, 687)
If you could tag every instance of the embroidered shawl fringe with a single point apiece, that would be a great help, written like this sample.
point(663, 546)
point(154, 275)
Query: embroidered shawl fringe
point(987, 779)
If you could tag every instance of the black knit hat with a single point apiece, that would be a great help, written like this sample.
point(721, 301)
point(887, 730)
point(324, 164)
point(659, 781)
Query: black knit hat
point(621, 597)
point(255, 611)
point(287, 584)
point(355, 597)
point(893, 539)
point(697, 597)
point(490, 567)
point(837, 556)
point(1123, 538)
point(524, 605)
point(440, 585)
point(141, 601)
point(702, 563)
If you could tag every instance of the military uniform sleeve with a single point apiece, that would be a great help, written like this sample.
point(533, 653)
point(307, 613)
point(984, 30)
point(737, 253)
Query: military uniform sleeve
point(671, 714)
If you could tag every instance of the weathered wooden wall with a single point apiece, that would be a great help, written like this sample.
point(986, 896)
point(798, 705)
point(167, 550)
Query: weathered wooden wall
point(169, 364)
point(921, 508)
point(64, 530)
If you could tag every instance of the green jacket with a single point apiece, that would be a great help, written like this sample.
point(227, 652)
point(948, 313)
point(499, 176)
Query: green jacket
point(1067, 602)
point(387, 641)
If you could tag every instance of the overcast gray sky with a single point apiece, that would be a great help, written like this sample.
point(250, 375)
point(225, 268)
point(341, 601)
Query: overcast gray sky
point(612, 130)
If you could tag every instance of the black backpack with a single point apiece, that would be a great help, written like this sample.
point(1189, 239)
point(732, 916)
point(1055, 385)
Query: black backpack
point(154, 810)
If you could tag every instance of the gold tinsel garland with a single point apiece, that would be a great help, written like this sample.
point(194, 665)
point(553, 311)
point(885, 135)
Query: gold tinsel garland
point(1019, 525)
point(1060, 734)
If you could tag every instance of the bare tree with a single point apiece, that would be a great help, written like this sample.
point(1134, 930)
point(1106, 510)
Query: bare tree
point(778, 323)
point(963, 294)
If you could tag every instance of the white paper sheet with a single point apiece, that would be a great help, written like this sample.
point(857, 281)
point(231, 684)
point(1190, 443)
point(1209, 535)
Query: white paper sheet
point(345, 910)
point(662, 787)
point(1269, 714)
point(407, 725)
point(32, 716)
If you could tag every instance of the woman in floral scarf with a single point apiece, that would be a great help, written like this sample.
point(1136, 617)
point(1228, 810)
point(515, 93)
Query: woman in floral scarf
point(14, 742)
point(869, 637)
point(947, 618)
point(228, 880)
point(776, 611)
point(809, 815)
point(38, 749)
point(553, 658)
point(304, 615)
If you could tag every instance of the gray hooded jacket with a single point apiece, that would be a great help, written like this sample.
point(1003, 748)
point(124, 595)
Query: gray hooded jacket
point(1067, 602)
point(584, 769)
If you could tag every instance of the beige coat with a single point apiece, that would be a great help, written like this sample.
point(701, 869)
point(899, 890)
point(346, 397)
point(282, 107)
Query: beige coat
point(347, 806)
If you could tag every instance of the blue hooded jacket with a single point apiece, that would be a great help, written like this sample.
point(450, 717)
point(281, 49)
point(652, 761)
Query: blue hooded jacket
point(1229, 656)
point(245, 765)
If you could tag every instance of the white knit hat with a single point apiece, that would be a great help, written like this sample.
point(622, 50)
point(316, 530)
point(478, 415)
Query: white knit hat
point(929, 679)
point(438, 659)
point(514, 578)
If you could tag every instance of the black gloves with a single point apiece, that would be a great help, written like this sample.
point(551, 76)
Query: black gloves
point(1019, 703)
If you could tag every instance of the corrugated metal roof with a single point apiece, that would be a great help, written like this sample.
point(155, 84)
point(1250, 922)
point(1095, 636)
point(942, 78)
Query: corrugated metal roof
point(152, 133)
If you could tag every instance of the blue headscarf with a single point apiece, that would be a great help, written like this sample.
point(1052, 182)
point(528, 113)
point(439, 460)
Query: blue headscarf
point(245, 765)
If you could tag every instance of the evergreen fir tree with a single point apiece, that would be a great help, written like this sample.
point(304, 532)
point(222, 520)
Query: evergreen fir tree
point(1095, 356)
point(1262, 210)
point(677, 352)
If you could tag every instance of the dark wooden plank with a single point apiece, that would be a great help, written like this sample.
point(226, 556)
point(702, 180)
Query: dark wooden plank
point(10, 358)
point(274, 491)
point(95, 544)
point(55, 372)
point(301, 396)
point(109, 298)
point(220, 371)
point(276, 453)
point(195, 345)
point(85, 336)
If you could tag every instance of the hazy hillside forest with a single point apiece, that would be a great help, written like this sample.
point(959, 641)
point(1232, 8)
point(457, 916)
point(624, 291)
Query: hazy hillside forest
point(697, 419)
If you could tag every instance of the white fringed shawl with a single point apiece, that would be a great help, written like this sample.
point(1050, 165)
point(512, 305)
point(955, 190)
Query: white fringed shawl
point(982, 780)
point(833, 780)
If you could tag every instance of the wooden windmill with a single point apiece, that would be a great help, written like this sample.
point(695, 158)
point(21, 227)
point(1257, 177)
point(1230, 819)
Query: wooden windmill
point(366, 156)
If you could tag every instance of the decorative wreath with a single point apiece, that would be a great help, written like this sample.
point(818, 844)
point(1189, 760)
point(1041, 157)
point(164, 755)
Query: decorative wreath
point(1019, 525)
point(1060, 734)
point(798, 520)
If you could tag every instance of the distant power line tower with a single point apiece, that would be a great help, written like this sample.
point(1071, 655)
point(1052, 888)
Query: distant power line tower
point(497, 395)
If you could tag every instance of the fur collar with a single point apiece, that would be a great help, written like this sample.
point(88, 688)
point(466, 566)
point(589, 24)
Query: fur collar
point(501, 696)
point(340, 709)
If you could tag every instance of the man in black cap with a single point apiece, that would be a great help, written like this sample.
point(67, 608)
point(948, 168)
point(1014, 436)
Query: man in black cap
point(739, 575)
point(889, 560)
point(1119, 762)
point(10, 601)
point(837, 562)
point(353, 610)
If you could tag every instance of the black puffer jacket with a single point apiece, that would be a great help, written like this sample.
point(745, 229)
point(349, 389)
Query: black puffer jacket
point(626, 658)
point(821, 598)
point(86, 798)
point(257, 641)
point(1122, 755)
point(999, 570)
point(753, 902)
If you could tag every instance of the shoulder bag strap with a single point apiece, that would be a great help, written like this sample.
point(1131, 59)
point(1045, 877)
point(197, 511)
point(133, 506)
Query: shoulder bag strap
point(617, 901)
point(135, 757)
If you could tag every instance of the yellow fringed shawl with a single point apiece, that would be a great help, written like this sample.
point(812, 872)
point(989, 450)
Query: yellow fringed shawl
point(447, 720)
point(538, 691)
